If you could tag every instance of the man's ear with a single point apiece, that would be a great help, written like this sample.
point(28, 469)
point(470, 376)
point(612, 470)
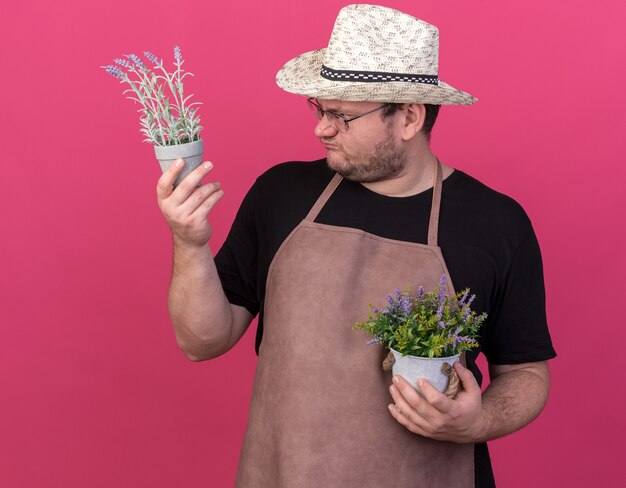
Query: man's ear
point(413, 121)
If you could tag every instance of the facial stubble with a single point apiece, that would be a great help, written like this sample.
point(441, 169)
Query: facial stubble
point(386, 162)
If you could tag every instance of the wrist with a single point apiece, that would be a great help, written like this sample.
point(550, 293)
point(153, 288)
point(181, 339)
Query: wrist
point(188, 245)
point(482, 426)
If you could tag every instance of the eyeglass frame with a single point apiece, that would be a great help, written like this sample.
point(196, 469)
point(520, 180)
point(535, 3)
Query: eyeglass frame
point(332, 116)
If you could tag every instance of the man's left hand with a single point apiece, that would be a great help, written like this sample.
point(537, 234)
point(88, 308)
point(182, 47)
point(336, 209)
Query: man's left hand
point(435, 415)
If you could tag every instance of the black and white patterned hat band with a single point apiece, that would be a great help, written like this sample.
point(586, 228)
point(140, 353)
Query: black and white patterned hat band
point(371, 76)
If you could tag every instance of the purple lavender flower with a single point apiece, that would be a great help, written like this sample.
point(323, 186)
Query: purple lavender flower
point(151, 57)
point(113, 71)
point(467, 340)
point(177, 54)
point(440, 311)
point(123, 62)
point(420, 291)
point(471, 300)
point(442, 324)
point(373, 340)
point(455, 338)
point(375, 310)
point(137, 60)
point(464, 297)
point(398, 305)
point(459, 338)
point(442, 289)
point(404, 303)
point(466, 312)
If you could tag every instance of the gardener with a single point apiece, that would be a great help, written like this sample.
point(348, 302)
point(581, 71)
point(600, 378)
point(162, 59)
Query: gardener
point(314, 244)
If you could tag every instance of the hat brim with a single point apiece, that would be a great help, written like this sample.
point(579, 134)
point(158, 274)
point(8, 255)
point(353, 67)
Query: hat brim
point(301, 76)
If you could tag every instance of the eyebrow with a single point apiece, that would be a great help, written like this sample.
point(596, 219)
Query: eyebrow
point(337, 110)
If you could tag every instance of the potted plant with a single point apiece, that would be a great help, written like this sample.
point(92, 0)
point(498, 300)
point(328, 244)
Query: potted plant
point(167, 119)
point(425, 332)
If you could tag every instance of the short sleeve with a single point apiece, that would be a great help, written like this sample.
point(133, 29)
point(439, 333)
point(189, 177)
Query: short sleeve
point(237, 259)
point(517, 330)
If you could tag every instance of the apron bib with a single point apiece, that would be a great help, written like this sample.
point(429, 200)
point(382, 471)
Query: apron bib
point(318, 415)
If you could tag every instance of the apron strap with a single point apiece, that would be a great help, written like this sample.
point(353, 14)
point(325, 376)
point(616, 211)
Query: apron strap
point(433, 225)
point(323, 198)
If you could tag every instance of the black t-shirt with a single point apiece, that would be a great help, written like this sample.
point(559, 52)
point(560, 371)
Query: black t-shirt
point(486, 239)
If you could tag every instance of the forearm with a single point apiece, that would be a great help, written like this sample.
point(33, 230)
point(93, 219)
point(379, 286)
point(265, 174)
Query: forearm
point(199, 309)
point(513, 399)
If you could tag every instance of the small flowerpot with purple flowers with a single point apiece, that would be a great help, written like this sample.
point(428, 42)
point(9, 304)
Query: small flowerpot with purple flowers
point(426, 333)
point(167, 119)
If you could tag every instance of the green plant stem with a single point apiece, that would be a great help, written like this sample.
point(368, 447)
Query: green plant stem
point(163, 112)
point(165, 119)
point(170, 83)
point(147, 105)
point(179, 86)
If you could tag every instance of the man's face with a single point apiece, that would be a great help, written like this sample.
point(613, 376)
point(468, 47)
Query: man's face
point(369, 151)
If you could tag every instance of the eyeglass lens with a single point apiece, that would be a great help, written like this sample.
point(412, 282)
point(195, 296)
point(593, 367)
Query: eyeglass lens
point(334, 120)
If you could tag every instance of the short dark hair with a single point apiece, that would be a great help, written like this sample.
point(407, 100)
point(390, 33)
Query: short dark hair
point(429, 121)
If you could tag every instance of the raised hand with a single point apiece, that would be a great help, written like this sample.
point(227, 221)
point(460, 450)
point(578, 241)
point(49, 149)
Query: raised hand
point(187, 207)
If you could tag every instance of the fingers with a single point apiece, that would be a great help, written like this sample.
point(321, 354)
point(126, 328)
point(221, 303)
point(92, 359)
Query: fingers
point(165, 186)
point(434, 415)
point(190, 182)
point(187, 207)
point(434, 397)
point(215, 193)
point(421, 415)
point(408, 400)
point(402, 419)
point(201, 200)
point(401, 408)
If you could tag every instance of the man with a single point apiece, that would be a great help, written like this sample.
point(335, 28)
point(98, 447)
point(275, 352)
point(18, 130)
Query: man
point(314, 243)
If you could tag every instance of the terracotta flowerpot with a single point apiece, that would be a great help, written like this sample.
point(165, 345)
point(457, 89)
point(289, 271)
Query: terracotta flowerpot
point(191, 152)
point(411, 368)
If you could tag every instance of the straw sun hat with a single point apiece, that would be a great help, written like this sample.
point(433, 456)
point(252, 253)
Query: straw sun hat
point(375, 54)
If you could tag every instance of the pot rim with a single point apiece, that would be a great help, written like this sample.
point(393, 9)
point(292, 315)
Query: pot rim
point(178, 145)
point(427, 358)
point(186, 150)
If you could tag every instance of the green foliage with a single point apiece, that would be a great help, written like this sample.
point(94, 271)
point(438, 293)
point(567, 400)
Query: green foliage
point(425, 324)
point(166, 116)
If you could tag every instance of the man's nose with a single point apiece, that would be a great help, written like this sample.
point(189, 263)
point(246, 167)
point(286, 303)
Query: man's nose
point(324, 128)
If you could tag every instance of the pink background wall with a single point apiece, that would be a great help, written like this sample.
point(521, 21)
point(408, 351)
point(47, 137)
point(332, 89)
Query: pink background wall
point(94, 390)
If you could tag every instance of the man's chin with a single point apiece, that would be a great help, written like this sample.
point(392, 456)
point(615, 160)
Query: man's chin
point(343, 168)
point(348, 172)
point(359, 175)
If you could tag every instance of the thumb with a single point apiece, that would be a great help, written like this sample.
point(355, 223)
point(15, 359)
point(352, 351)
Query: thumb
point(467, 378)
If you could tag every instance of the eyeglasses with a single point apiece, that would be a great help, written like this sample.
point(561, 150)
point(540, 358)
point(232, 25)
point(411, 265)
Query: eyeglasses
point(337, 121)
